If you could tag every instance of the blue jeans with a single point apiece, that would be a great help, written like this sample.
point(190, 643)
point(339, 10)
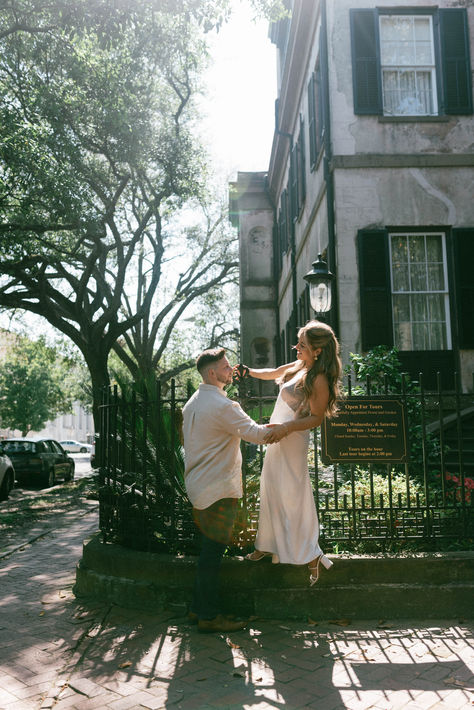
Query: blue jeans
point(215, 524)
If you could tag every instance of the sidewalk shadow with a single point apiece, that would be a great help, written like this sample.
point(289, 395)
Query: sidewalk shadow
point(275, 664)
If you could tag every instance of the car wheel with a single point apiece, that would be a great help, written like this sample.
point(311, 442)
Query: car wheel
point(83, 450)
point(7, 485)
point(50, 479)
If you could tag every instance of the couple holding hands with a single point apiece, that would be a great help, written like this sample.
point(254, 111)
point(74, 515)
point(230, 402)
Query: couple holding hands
point(213, 425)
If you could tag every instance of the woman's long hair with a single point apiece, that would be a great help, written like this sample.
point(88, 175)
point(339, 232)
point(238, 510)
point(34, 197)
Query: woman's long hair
point(328, 363)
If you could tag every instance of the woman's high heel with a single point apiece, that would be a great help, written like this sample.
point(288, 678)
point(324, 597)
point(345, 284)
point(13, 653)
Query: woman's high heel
point(257, 555)
point(326, 563)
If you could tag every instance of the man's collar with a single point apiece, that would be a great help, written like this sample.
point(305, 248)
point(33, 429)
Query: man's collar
point(212, 388)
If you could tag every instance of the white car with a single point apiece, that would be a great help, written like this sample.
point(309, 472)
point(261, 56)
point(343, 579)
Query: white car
point(7, 474)
point(75, 447)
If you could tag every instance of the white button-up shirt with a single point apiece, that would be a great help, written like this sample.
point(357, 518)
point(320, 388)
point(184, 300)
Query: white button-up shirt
point(213, 426)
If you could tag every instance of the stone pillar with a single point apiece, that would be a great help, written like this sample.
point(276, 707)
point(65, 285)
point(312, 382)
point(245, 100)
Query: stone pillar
point(251, 212)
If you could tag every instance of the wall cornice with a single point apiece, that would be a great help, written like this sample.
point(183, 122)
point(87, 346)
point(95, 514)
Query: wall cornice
point(410, 160)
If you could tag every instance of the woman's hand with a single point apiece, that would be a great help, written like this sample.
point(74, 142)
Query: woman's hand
point(240, 371)
point(277, 433)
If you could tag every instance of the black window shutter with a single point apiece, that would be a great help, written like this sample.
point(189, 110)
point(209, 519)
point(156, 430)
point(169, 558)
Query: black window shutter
point(283, 224)
point(375, 290)
point(312, 126)
point(293, 180)
point(365, 62)
point(463, 261)
point(455, 60)
point(301, 156)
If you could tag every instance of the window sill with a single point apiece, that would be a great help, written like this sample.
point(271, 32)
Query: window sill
point(414, 119)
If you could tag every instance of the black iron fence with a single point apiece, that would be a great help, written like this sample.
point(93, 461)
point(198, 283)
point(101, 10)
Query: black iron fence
point(429, 498)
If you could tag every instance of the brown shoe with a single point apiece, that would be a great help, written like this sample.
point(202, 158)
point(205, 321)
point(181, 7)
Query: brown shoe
point(220, 623)
point(192, 617)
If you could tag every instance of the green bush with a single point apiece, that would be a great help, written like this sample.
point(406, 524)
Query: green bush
point(380, 372)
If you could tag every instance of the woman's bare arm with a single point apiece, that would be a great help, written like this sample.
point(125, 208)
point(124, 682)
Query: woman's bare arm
point(270, 373)
point(318, 403)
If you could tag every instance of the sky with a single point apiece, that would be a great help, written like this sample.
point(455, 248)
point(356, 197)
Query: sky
point(241, 85)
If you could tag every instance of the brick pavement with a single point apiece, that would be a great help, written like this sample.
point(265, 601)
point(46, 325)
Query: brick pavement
point(59, 652)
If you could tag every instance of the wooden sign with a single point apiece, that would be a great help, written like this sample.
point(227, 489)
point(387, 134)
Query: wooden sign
point(366, 429)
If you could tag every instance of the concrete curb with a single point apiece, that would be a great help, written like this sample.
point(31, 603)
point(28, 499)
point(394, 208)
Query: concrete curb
point(364, 587)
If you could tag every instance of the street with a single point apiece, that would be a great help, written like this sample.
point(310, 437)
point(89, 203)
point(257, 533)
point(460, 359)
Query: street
point(83, 465)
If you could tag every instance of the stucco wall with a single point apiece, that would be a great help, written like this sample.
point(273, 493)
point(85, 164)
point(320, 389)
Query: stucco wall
point(353, 134)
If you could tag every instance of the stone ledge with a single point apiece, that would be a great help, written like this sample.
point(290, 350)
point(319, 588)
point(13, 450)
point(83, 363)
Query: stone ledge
point(363, 587)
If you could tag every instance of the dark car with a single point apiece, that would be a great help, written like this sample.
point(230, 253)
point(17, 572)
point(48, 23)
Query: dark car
point(39, 461)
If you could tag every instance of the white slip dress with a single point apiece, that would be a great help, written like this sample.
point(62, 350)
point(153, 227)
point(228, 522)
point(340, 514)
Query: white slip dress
point(288, 523)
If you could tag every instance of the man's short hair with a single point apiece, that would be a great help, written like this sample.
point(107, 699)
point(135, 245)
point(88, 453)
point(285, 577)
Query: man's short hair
point(208, 357)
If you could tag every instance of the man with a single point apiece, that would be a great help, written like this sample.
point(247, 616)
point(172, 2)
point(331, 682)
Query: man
point(212, 427)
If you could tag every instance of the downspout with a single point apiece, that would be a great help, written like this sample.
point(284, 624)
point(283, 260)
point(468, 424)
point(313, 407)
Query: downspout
point(328, 173)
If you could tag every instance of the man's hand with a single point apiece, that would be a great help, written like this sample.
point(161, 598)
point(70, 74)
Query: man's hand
point(277, 433)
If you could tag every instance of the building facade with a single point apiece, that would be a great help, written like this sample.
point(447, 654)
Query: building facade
point(372, 165)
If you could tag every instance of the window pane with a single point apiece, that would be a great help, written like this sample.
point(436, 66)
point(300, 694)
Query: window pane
point(435, 277)
point(434, 247)
point(418, 280)
point(399, 248)
point(401, 308)
point(436, 307)
point(402, 336)
point(419, 308)
point(400, 277)
point(438, 337)
point(416, 243)
point(420, 336)
point(422, 28)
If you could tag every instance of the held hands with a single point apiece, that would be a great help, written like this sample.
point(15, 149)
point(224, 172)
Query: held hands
point(276, 433)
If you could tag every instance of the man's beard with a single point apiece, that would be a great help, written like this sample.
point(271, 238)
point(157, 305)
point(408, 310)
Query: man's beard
point(225, 380)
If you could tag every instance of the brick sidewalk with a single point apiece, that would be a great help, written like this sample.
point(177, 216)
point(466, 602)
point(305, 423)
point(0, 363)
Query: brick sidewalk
point(56, 651)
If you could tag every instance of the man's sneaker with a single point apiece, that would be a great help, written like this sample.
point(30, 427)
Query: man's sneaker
point(220, 623)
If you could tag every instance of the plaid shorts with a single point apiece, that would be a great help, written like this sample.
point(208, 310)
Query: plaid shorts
point(217, 521)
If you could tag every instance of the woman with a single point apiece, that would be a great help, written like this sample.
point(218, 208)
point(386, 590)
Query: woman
point(288, 527)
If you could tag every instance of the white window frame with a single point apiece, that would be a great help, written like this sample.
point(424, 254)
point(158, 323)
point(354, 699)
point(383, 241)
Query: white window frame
point(444, 292)
point(431, 68)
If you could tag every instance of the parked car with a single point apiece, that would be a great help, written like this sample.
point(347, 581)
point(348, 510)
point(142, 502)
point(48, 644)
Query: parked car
point(74, 447)
point(40, 461)
point(7, 474)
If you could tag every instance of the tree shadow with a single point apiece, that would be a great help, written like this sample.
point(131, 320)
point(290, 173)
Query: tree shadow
point(271, 664)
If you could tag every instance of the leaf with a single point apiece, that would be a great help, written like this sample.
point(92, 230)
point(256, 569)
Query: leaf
point(231, 644)
point(340, 622)
point(454, 681)
point(125, 664)
point(312, 622)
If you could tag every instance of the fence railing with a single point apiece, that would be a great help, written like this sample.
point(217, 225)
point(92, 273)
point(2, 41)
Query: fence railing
point(429, 498)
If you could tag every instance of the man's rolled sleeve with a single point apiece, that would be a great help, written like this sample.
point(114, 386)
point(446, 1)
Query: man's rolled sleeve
point(238, 423)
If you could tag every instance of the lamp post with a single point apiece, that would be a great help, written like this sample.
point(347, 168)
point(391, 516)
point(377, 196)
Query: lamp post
point(320, 287)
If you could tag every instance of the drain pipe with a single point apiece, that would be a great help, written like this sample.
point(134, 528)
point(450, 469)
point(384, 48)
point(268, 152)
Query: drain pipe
point(328, 173)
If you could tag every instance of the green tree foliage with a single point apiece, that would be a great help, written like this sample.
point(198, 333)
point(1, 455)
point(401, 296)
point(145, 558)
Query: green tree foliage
point(96, 157)
point(32, 389)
